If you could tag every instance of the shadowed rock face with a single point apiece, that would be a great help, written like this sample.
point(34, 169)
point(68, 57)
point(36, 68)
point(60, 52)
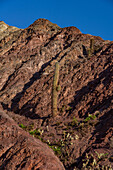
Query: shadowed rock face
point(83, 126)
point(19, 150)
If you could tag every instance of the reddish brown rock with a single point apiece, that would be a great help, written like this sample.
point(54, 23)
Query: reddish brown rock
point(85, 103)
point(19, 150)
point(8, 36)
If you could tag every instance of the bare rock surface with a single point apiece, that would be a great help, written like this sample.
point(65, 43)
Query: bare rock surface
point(8, 36)
point(19, 150)
point(81, 134)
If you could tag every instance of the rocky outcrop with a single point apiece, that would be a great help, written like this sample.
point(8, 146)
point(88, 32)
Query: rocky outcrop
point(38, 46)
point(83, 128)
point(8, 36)
point(19, 150)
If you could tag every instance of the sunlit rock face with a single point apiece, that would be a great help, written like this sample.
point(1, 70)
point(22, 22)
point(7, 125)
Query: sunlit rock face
point(85, 101)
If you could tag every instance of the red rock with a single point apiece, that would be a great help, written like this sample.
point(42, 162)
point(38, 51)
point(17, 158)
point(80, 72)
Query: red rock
point(19, 150)
point(27, 70)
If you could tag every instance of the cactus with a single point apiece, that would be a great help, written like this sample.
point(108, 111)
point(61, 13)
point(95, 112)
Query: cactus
point(92, 45)
point(58, 88)
point(55, 90)
point(91, 49)
point(89, 52)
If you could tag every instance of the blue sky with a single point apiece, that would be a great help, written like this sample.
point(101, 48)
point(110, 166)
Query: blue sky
point(92, 17)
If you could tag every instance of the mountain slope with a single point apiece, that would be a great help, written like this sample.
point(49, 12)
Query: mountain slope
point(83, 128)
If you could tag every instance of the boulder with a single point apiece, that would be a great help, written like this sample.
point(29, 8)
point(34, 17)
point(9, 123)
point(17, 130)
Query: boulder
point(19, 150)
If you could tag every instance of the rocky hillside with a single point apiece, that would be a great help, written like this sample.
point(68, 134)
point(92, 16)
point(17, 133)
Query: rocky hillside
point(81, 135)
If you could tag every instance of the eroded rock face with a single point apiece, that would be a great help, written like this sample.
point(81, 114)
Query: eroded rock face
point(19, 150)
point(85, 103)
point(8, 36)
point(42, 42)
